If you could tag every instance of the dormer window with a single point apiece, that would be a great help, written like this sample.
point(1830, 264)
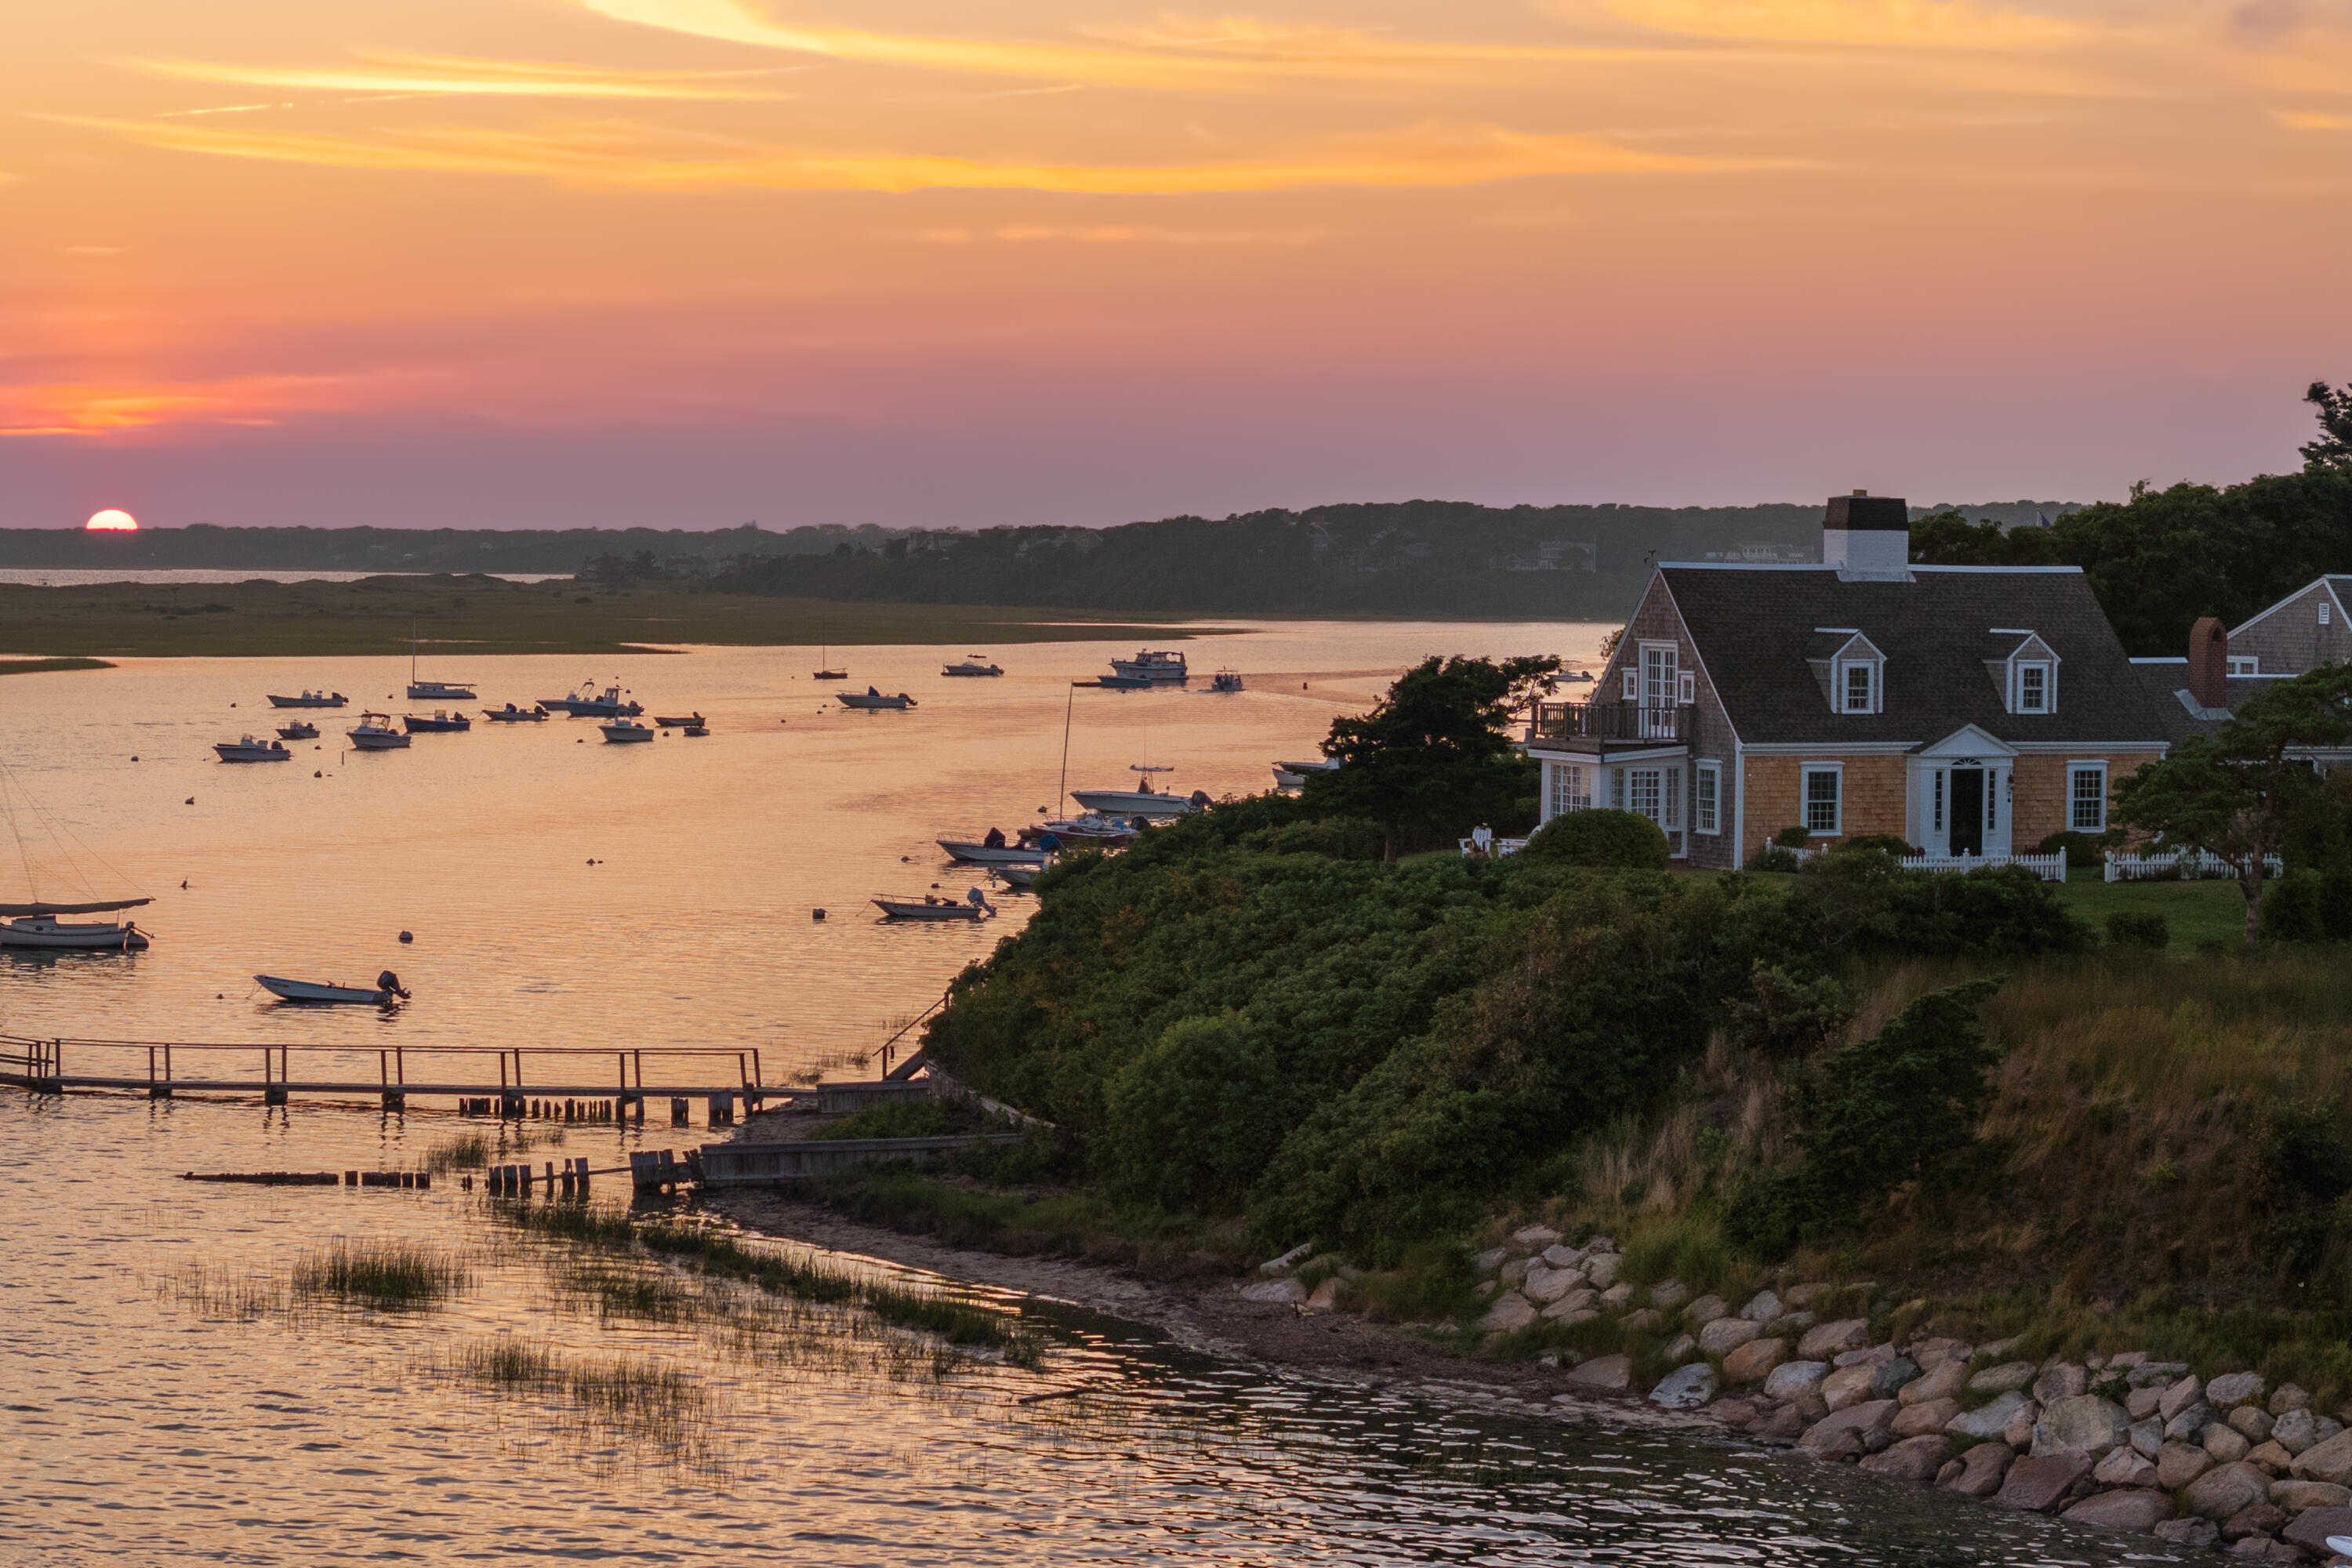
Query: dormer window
point(2024, 670)
point(2032, 687)
point(1860, 689)
point(1850, 668)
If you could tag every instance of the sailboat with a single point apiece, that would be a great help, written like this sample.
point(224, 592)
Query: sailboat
point(825, 671)
point(433, 690)
point(34, 922)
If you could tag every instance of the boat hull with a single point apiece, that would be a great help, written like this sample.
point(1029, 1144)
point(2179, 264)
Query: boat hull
point(233, 752)
point(335, 700)
point(830, 675)
point(626, 735)
point(437, 726)
point(1128, 803)
point(515, 715)
point(373, 741)
point(852, 699)
point(965, 670)
point(439, 691)
point(987, 855)
point(908, 909)
point(298, 731)
point(322, 996)
point(42, 933)
point(1019, 876)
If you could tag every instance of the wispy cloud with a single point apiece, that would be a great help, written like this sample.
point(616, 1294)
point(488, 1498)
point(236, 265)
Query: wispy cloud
point(2301, 120)
point(1876, 24)
point(83, 409)
point(400, 73)
point(1427, 154)
point(1120, 234)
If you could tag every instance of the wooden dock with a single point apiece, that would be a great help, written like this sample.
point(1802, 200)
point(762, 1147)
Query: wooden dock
point(561, 1082)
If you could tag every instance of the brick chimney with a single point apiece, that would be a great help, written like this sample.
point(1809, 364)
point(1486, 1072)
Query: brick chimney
point(2208, 663)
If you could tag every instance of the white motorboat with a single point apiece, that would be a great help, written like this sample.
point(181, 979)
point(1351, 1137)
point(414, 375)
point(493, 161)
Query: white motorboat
point(1161, 667)
point(383, 993)
point(245, 749)
point(301, 729)
point(972, 663)
point(510, 714)
point(34, 922)
point(311, 699)
point(1144, 800)
point(610, 703)
point(979, 852)
point(374, 732)
point(433, 690)
point(1290, 775)
point(872, 698)
point(932, 907)
point(1091, 831)
point(1020, 877)
point(623, 731)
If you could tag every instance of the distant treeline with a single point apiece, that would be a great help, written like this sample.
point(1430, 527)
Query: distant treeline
point(1401, 558)
point(456, 549)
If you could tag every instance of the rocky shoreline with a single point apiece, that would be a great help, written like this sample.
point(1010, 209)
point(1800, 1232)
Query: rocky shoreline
point(2121, 1442)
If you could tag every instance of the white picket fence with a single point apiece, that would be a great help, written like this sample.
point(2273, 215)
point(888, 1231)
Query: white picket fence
point(2183, 866)
point(1492, 846)
point(2049, 867)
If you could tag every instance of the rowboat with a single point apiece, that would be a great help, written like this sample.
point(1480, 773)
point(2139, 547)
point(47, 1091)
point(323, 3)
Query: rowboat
point(1163, 667)
point(301, 729)
point(311, 699)
point(441, 723)
point(385, 992)
point(873, 699)
point(688, 724)
point(930, 906)
point(971, 665)
point(245, 749)
point(374, 732)
point(977, 852)
point(623, 731)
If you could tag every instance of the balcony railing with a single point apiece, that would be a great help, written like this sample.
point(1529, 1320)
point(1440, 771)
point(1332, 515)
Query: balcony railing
point(1630, 722)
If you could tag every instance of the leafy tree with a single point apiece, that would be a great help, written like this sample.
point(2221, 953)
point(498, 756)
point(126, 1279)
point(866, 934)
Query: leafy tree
point(1601, 837)
point(2237, 794)
point(1435, 755)
point(2331, 453)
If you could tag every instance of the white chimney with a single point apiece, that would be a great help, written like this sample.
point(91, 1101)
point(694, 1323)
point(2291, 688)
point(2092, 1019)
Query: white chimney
point(1868, 538)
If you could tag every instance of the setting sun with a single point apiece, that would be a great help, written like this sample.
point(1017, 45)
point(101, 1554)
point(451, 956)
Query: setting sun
point(112, 521)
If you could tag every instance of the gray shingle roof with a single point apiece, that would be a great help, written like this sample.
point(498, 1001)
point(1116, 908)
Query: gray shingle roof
point(1755, 629)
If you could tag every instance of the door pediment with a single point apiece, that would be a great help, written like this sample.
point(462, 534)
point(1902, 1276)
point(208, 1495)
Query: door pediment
point(1968, 744)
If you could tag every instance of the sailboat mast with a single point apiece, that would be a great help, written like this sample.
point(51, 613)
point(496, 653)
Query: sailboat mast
point(1068, 706)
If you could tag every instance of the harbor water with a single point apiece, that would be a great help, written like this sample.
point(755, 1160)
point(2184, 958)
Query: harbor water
point(169, 1395)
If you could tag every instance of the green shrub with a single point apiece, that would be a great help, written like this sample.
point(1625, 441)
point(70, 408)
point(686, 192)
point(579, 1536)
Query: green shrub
point(2082, 850)
point(1625, 839)
point(1885, 843)
point(1340, 837)
point(1793, 838)
point(2294, 908)
point(2136, 928)
point(1775, 858)
point(1789, 1015)
point(1191, 1120)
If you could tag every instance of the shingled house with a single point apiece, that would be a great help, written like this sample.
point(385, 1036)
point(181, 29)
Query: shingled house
point(1967, 711)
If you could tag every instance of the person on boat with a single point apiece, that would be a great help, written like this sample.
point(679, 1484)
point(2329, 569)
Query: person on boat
point(995, 839)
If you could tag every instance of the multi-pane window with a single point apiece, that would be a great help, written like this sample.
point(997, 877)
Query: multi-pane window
point(1571, 788)
point(2033, 688)
point(2086, 798)
point(1935, 818)
point(1821, 800)
point(1642, 791)
point(1659, 682)
point(1857, 687)
point(1707, 811)
point(2323, 611)
point(2250, 664)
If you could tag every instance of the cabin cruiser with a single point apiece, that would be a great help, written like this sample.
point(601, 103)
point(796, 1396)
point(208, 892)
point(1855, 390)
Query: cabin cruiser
point(1141, 801)
point(607, 704)
point(1159, 666)
point(972, 664)
point(301, 729)
point(374, 732)
point(311, 699)
point(245, 749)
point(441, 723)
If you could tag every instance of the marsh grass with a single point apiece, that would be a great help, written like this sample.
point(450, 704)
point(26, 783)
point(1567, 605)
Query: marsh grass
point(386, 1275)
point(475, 1148)
point(647, 1405)
point(219, 1292)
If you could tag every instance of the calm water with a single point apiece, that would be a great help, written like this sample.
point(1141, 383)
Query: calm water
point(143, 1419)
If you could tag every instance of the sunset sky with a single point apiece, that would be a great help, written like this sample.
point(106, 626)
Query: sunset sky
point(692, 263)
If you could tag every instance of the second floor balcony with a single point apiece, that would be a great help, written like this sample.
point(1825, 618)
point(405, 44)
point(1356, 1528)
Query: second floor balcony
point(1590, 725)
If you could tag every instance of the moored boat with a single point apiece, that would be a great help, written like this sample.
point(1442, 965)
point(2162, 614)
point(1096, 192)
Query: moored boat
point(374, 732)
point(245, 749)
point(1141, 801)
point(623, 731)
point(980, 852)
point(1290, 775)
point(932, 907)
point(433, 690)
point(1158, 667)
point(871, 699)
point(825, 670)
point(301, 729)
point(1091, 831)
point(38, 926)
point(1020, 877)
point(383, 993)
point(688, 722)
point(440, 723)
point(510, 714)
point(1225, 681)
point(311, 699)
point(610, 703)
point(972, 663)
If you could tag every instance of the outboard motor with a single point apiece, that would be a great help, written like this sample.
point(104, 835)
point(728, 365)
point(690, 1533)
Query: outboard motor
point(389, 982)
point(1199, 800)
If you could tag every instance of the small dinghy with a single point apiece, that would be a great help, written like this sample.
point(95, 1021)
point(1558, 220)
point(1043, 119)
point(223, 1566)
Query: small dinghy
point(301, 729)
point(374, 732)
point(245, 749)
point(980, 852)
point(441, 723)
point(696, 732)
point(510, 714)
point(623, 731)
point(972, 663)
point(691, 722)
point(386, 992)
point(873, 699)
point(311, 699)
point(1018, 877)
point(932, 907)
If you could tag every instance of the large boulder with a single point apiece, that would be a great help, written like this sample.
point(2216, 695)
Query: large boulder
point(2133, 1508)
point(1546, 1284)
point(2191, 1531)
point(1982, 1470)
point(1602, 1268)
point(2179, 1396)
point(2007, 1378)
point(2125, 1467)
point(1762, 1307)
point(1991, 1420)
point(2224, 1490)
point(2226, 1444)
point(2233, 1389)
point(2040, 1482)
point(1754, 1361)
point(2296, 1430)
point(1668, 1294)
point(2082, 1424)
point(1849, 1385)
point(1704, 1310)
point(2141, 1402)
point(1686, 1388)
point(1944, 1382)
point(2251, 1422)
point(1534, 1237)
point(2295, 1496)
point(2271, 1458)
point(1795, 1379)
point(1841, 1432)
point(2148, 1435)
point(2178, 1464)
point(1725, 1335)
point(2060, 1382)
point(2289, 1397)
point(2190, 1424)
point(1912, 1460)
point(1891, 1376)
point(1602, 1375)
point(1824, 1340)
point(1919, 1420)
point(1510, 1313)
point(1584, 1299)
point(2264, 1518)
point(2311, 1528)
point(2019, 1432)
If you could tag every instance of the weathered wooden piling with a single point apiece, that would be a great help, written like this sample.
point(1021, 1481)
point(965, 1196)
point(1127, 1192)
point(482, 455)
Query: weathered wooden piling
point(722, 1108)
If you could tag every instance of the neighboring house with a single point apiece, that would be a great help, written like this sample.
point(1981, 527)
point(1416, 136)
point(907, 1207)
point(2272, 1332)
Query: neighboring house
point(2196, 694)
point(1964, 709)
point(2297, 635)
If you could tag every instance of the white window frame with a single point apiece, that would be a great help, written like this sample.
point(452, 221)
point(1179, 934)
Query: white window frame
point(1847, 669)
point(2081, 770)
point(2244, 664)
point(1568, 779)
point(1805, 776)
point(2049, 669)
point(1935, 810)
point(1660, 665)
point(1707, 799)
point(2323, 610)
point(1633, 680)
point(1686, 692)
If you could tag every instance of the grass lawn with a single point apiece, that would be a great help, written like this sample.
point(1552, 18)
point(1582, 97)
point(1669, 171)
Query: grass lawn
point(2192, 912)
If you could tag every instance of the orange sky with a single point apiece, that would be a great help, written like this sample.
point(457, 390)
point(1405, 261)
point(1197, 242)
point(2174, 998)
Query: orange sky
point(695, 262)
